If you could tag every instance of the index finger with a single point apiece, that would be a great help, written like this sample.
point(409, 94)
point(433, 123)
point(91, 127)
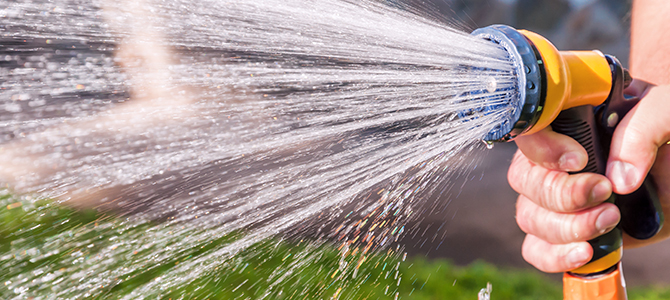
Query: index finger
point(553, 150)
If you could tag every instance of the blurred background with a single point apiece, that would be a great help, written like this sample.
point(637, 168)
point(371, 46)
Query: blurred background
point(478, 221)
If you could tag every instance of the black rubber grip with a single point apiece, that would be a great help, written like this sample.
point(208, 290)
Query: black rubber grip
point(641, 214)
point(580, 124)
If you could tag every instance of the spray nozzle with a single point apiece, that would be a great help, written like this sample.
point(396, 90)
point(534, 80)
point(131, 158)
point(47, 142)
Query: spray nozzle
point(579, 94)
point(548, 81)
point(525, 110)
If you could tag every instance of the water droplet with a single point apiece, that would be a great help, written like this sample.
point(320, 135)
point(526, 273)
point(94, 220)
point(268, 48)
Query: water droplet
point(491, 84)
point(485, 293)
point(489, 144)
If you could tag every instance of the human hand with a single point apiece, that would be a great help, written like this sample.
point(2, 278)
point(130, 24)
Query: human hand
point(560, 212)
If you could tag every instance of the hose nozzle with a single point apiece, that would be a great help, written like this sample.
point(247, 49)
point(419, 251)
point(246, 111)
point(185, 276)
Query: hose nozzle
point(576, 93)
point(549, 80)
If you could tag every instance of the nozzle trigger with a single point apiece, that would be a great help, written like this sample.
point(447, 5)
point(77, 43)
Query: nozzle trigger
point(617, 104)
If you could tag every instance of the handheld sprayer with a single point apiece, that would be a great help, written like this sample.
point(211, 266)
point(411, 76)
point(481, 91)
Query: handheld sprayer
point(579, 94)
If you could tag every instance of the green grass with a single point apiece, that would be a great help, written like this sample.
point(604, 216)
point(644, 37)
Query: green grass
point(29, 233)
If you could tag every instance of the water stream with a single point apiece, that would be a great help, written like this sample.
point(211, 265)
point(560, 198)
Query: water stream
point(225, 125)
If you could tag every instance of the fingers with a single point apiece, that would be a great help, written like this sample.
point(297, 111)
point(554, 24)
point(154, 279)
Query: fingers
point(637, 139)
point(556, 190)
point(554, 258)
point(557, 210)
point(553, 150)
point(564, 228)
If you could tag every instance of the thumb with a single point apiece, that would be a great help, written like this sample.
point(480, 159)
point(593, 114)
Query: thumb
point(637, 139)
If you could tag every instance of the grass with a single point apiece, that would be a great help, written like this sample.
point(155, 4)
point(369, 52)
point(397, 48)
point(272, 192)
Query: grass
point(272, 269)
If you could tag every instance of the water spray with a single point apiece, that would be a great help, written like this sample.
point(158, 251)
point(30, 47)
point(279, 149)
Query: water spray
point(579, 94)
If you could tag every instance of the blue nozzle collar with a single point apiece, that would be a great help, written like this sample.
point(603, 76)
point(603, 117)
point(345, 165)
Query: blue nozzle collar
point(529, 70)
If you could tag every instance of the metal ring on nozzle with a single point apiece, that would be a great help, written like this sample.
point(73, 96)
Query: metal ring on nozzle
point(530, 73)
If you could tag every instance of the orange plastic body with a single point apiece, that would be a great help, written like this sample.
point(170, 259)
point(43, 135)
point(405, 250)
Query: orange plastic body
point(573, 78)
point(607, 287)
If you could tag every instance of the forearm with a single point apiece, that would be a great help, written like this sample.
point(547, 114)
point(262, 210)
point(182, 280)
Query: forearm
point(650, 41)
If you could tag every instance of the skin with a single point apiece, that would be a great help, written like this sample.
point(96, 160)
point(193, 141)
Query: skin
point(559, 212)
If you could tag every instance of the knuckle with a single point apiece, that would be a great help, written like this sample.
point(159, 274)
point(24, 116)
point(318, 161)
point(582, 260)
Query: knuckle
point(545, 155)
point(563, 192)
point(578, 231)
point(536, 257)
point(577, 188)
point(634, 133)
point(572, 194)
point(523, 217)
point(563, 229)
point(517, 175)
point(527, 252)
point(551, 192)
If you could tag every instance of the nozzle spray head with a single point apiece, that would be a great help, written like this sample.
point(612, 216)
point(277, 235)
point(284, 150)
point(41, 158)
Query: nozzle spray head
point(548, 80)
point(525, 110)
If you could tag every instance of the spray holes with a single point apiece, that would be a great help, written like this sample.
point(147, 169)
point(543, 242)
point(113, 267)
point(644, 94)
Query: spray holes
point(527, 68)
point(530, 85)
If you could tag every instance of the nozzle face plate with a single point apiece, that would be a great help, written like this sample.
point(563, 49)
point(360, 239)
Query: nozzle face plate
point(523, 112)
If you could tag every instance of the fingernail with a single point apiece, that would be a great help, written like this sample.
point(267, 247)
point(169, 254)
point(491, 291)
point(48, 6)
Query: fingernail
point(601, 191)
point(578, 256)
point(607, 219)
point(570, 161)
point(623, 174)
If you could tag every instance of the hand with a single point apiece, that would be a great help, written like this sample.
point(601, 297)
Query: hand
point(560, 212)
